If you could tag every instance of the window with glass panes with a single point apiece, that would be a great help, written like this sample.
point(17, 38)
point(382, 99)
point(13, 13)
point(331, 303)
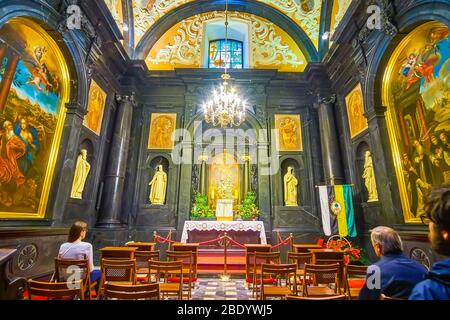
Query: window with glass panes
point(226, 53)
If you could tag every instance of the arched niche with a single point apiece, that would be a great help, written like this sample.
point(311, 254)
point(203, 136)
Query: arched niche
point(361, 150)
point(153, 166)
point(88, 145)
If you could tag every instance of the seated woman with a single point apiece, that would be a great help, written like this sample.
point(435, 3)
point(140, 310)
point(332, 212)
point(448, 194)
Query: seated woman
point(76, 249)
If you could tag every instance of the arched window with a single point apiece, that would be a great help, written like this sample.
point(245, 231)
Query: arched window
point(226, 53)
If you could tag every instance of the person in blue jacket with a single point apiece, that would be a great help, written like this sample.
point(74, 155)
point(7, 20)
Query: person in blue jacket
point(437, 284)
point(394, 275)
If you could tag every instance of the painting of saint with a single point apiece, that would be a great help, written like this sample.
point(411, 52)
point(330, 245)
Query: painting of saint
point(355, 112)
point(96, 106)
point(34, 86)
point(289, 136)
point(162, 127)
point(417, 93)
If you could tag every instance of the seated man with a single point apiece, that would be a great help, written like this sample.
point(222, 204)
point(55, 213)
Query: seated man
point(394, 275)
point(437, 284)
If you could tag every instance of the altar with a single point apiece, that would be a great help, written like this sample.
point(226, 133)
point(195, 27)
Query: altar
point(241, 231)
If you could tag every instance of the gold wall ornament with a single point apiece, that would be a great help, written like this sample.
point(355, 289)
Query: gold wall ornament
point(82, 170)
point(38, 102)
point(162, 127)
point(416, 97)
point(116, 9)
point(290, 188)
point(340, 7)
point(269, 46)
point(158, 187)
point(96, 107)
point(355, 112)
point(369, 178)
point(289, 132)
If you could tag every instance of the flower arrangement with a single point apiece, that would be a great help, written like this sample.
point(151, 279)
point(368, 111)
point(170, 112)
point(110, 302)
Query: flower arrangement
point(200, 209)
point(248, 209)
point(352, 253)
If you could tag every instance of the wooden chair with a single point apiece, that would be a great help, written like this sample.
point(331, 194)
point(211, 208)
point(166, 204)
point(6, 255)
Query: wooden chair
point(354, 279)
point(141, 246)
point(136, 292)
point(384, 297)
point(192, 247)
point(250, 250)
point(64, 268)
point(322, 276)
point(187, 258)
point(300, 259)
point(142, 258)
point(55, 290)
point(162, 272)
point(121, 272)
point(284, 274)
point(339, 297)
point(259, 259)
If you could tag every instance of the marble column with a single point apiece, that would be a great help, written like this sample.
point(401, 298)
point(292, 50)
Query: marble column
point(203, 174)
point(332, 163)
point(110, 210)
point(247, 187)
point(7, 79)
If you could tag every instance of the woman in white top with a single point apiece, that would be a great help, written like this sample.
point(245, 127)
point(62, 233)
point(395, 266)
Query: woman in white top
point(76, 249)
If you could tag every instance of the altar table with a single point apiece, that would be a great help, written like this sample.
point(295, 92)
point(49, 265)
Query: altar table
point(224, 226)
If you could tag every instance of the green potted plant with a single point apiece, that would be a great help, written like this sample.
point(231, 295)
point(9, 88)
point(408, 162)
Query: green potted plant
point(248, 210)
point(200, 209)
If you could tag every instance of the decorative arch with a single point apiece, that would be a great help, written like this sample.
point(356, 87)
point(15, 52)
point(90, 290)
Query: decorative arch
point(202, 6)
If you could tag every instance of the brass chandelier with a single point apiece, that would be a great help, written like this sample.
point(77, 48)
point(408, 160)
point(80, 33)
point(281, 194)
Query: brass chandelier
point(225, 108)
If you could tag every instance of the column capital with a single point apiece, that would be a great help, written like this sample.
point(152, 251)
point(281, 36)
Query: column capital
point(377, 112)
point(326, 99)
point(126, 98)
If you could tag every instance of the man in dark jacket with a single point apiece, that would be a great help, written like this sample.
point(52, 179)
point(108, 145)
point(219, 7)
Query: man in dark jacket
point(394, 275)
point(437, 284)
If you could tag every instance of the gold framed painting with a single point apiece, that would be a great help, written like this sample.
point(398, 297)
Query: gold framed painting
point(96, 108)
point(355, 112)
point(162, 127)
point(289, 132)
point(35, 89)
point(417, 95)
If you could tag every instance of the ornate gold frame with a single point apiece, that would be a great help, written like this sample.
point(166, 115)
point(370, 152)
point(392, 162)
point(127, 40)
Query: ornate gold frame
point(394, 135)
point(40, 214)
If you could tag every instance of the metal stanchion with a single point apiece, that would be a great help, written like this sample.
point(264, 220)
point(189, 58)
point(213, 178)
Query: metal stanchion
point(225, 277)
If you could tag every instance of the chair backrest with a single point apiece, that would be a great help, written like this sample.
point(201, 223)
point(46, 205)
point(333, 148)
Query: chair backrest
point(186, 257)
point(65, 268)
point(299, 258)
point(141, 246)
point(119, 270)
point(323, 274)
point(134, 292)
point(280, 272)
point(384, 297)
point(338, 297)
point(160, 271)
point(55, 290)
point(142, 258)
point(250, 251)
point(265, 257)
point(190, 247)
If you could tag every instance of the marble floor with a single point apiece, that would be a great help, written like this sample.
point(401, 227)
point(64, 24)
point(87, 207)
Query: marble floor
point(215, 289)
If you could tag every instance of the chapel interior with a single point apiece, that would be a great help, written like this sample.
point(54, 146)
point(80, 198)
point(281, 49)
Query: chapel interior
point(217, 133)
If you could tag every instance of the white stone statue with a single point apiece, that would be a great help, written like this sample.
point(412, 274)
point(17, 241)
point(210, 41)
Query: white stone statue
point(81, 173)
point(290, 188)
point(369, 177)
point(158, 187)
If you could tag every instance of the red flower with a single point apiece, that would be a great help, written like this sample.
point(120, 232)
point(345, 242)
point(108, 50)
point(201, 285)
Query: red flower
point(321, 242)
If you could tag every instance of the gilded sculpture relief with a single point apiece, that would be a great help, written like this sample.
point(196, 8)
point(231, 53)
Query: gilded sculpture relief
point(82, 170)
point(162, 127)
point(355, 111)
point(289, 137)
point(96, 106)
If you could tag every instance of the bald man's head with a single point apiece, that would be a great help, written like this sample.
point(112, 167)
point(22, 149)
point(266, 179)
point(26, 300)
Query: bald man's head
point(385, 241)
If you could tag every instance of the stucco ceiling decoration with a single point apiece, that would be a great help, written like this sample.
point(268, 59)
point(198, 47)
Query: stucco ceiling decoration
point(306, 13)
point(182, 46)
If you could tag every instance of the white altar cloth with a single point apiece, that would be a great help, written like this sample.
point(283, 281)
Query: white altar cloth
point(224, 226)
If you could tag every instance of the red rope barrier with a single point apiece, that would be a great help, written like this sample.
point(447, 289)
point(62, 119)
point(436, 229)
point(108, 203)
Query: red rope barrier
point(236, 243)
point(164, 240)
point(210, 241)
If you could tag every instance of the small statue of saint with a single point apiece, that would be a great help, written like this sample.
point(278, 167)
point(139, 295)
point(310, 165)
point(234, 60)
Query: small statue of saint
point(81, 173)
point(369, 177)
point(158, 187)
point(290, 188)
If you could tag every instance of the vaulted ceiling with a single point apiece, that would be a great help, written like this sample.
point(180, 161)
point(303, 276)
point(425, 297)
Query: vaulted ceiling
point(144, 22)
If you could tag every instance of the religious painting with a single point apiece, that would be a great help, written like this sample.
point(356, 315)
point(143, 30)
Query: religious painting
point(162, 127)
point(96, 107)
point(224, 179)
point(289, 132)
point(416, 89)
point(33, 90)
point(355, 111)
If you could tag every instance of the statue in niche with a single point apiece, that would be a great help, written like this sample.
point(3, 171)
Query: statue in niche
point(158, 187)
point(290, 188)
point(369, 177)
point(81, 173)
